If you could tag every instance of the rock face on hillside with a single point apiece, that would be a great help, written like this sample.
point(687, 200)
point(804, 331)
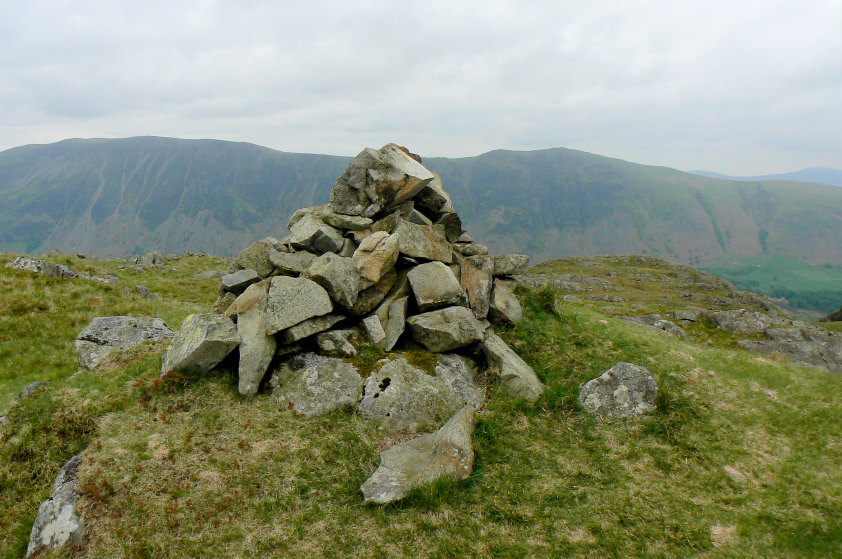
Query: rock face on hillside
point(109, 333)
point(57, 524)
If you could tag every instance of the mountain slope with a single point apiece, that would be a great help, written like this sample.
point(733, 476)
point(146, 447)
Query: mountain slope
point(818, 175)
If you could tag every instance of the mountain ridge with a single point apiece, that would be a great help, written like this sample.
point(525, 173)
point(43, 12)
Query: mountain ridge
point(816, 175)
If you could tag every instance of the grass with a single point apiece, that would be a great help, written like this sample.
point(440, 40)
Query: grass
point(740, 459)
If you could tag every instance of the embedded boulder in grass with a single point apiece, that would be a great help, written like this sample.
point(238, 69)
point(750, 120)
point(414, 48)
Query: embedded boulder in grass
point(624, 390)
point(447, 453)
point(105, 334)
point(57, 525)
point(203, 341)
point(377, 180)
point(446, 329)
point(41, 267)
point(400, 396)
point(312, 384)
point(517, 378)
point(294, 300)
point(744, 321)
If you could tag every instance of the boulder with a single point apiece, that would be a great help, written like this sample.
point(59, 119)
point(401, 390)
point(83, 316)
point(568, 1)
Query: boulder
point(509, 264)
point(310, 327)
point(399, 396)
point(451, 225)
point(517, 378)
point(446, 329)
point(376, 255)
point(144, 292)
point(423, 241)
point(312, 384)
point(202, 342)
point(434, 285)
point(378, 180)
point(743, 320)
point(57, 525)
point(256, 256)
point(624, 390)
point(344, 222)
point(374, 330)
point(504, 306)
point(461, 373)
point(223, 303)
point(105, 334)
point(256, 348)
point(294, 300)
point(801, 343)
point(447, 453)
point(433, 199)
point(470, 249)
point(41, 267)
point(339, 276)
point(291, 263)
point(311, 233)
point(238, 281)
point(337, 343)
point(477, 283)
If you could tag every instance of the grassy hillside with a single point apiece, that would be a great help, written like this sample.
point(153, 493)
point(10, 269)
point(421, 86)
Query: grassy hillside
point(740, 458)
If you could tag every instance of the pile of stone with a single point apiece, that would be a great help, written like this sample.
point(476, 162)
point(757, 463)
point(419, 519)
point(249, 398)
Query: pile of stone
point(387, 258)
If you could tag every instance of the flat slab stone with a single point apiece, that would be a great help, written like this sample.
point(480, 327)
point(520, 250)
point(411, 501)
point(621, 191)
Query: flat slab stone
point(517, 378)
point(256, 348)
point(624, 390)
point(291, 263)
point(202, 342)
point(310, 327)
point(434, 285)
point(376, 255)
point(239, 280)
point(400, 396)
point(294, 300)
point(57, 524)
point(446, 329)
point(105, 334)
point(312, 384)
point(446, 453)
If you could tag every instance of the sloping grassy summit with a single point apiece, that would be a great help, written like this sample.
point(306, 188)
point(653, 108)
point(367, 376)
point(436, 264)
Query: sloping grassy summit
point(740, 459)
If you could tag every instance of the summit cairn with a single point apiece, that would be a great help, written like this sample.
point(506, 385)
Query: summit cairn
point(385, 263)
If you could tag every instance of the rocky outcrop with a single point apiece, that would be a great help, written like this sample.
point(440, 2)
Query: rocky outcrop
point(446, 453)
point(657, 322)
point(106, 334)
point(744, 321)
point(801, 343)
point(49, 269)
point(835, 316)
point(624, 390)
point(57, 525)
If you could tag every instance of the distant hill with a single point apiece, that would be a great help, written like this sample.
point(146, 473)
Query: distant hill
point(123, 196)
point(818, 175)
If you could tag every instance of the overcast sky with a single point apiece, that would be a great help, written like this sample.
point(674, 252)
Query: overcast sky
point(740, 87)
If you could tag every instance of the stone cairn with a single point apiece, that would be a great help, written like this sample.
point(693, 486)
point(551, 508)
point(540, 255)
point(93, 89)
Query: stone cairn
point(385, 262)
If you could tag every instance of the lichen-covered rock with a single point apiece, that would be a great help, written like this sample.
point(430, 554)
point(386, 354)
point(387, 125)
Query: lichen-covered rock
point(369, 298)
point(201, 343)
point(312, 384)
point(433, 199)
point(801, 343)
point(223, 302)
point(339, 276)
point(256, 256)
point(395, 322)
point(517, 378)
point(105, 334)
point(57, 525)
point(400, 396)
point(504, 306)
point(256, 348)
point(376, 255)
point(377, 180)
point(446, 329)
point(374, 330)
point(434, 285)
point(446, 453)
point(477, 283)
point(294, 300)
point(624, 390)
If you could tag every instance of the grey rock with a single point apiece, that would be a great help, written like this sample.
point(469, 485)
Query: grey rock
point(504, 306)
point(378, 180)
point(470, 249)
point(41, 267)
point(105, 334)
point(238, 281)
point(30, 389)
point(349, 247)
point(395, 323)
point(209, 274)
point(517, 378)
point(336, 343)
point(311, 233)
point(743, 320)
point(400, 396)
point(423, 241)
point(657, 322)
point(57, 525)
point(477, 283)
point(510, 264)
point(461, 373)
point(451, 225)
point(687, 316)
point(256, 256)
point(375, 331)
point(223, 303)
point(256, 348)
point(310, 327)
point(624, 390)
point(414, 216)
point(368, 299)
point(146, 294)
point(345, 222)
point(801, 343)
point(291, 263)
point(312, 384)
point(294, 300)
point(446, 329)
point(433, 199)
point(434, 285)
point(202, 342)
point(447, 453)
point(376, 255)
point(339, 276)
